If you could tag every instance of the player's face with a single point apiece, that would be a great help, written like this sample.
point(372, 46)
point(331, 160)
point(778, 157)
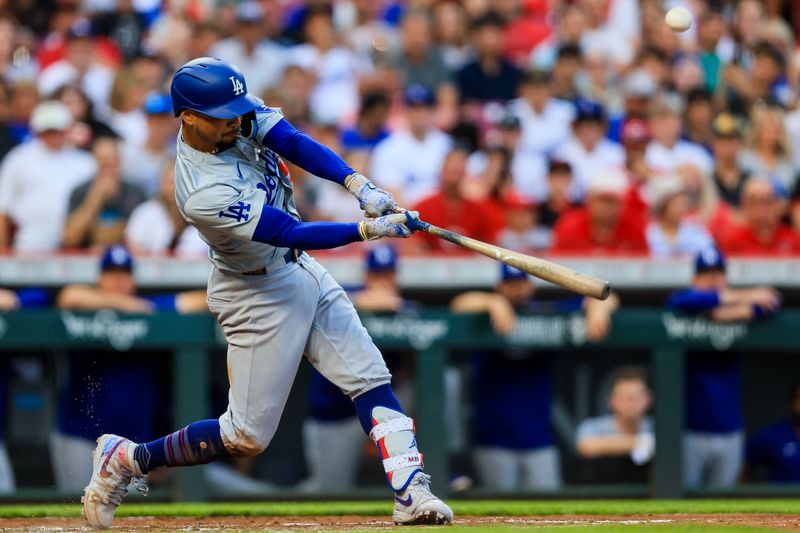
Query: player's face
point(629, 399)
point(212, 131)
point(117, 282)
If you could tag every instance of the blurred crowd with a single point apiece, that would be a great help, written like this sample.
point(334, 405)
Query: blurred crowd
point(576, 127)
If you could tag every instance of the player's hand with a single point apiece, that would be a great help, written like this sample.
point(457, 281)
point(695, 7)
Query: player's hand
point(393, 225)
point(374, 201)
point(598, 325)
point(766, 298)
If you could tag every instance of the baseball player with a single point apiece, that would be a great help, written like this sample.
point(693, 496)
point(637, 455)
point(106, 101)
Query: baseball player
point(275, 303)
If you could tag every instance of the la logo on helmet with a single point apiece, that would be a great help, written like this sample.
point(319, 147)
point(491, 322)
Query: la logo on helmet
point(238, 86)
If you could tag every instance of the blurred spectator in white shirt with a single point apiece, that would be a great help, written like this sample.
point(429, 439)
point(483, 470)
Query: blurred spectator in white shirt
point(156, 226)
point(667, 151)
point(334, 98)
point(36, 179)
point(670, 233)
point(260, 60)
point(79, 66)
point(588, 150)
point(143, 164)
point(408, 161)
point(613, 30)
point(545, 120)
point(126, 116)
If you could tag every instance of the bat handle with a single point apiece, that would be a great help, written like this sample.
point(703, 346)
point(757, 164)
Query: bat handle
point(415, 224)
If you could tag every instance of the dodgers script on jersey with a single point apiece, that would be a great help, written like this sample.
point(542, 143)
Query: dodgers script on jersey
point(222, 194)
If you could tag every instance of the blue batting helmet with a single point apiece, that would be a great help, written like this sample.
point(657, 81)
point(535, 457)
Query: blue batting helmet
point(212, 87)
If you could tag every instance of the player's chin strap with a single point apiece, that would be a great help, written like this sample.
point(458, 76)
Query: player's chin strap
point(395, 462)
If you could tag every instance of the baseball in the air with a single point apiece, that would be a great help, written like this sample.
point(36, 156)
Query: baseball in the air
point(679, 19)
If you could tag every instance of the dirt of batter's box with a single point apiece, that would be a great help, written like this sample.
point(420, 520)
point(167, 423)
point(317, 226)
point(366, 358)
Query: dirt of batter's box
point(366, 523)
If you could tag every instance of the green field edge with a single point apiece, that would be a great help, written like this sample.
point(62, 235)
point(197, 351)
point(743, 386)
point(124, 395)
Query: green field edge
point(463, 508)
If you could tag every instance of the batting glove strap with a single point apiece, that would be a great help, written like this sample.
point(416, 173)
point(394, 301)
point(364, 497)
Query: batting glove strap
point(398, 462)
point(393, 425)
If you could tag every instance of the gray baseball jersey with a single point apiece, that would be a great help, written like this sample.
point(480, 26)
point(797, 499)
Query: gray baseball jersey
point(222, 195)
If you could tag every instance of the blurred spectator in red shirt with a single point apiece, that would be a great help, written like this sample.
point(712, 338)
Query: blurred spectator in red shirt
point(449, 209)
point(761, 231)
point(635, 138)
point(602, 225)
point(526, 26)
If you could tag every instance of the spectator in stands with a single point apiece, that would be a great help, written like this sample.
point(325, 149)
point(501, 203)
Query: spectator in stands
point(260, 60)
point(617, 445)
point(36, 179)
point(569, 33)
point(367, 30)
point(156, 226)
point(764, 80)
point(515, 448)
point(489, 77)
point(710, 30)
point(449, 209)
point(670, 233)
point(713, 443)
point(699, 115)
point(635, 138)
point(100, 207)
point(667, 151)
point(419, 61)
point(729, 176)
point(602, 225)
point(451, 32)
point(370, 128)
point(336, 70)
point(588, 150)
point(79, 66)
point(545, 120)
point(143, 164)
point(558, 202)
point(768, 150)
point(87, 127)
point(761, 230)
point(565, 72)
point(528, 165)
point(125, 115)
point(775, 449)
point(7, 140)
point(407, 162)
point(109, 383)
point(638, 88)
point(124, 27)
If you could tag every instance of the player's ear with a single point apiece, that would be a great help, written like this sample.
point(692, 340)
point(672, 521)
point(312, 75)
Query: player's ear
point(186, 117)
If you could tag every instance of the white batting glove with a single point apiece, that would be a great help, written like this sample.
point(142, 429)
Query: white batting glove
point(387, 226)
point(374, 201)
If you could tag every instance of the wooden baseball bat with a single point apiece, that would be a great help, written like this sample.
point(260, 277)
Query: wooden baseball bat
point(535, 266)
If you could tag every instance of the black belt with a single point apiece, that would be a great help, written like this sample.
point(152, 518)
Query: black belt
point(291, 256)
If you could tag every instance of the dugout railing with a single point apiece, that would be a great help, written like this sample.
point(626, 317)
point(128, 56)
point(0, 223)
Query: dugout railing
point(432, 335)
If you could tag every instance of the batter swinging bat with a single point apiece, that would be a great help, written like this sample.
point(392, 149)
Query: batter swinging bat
point(546, 270)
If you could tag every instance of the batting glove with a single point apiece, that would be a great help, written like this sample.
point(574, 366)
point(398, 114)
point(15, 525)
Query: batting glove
point(394, 225)
point(374, 201)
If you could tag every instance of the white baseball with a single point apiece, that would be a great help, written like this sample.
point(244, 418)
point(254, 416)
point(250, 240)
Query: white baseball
point(678, 19)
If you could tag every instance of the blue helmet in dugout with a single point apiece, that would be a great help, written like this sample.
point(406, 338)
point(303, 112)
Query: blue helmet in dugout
point(212, 87)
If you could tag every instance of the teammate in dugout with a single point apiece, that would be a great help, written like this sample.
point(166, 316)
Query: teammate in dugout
point(714, 440)
point(274, 302)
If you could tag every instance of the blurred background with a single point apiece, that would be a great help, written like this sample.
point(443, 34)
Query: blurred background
point(584, 131)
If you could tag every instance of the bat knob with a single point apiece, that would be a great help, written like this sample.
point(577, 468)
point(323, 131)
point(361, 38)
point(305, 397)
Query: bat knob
point(414, 223)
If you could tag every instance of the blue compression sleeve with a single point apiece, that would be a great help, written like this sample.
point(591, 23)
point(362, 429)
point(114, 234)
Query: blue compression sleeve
point(304, 151)
point(693, 301)
point(277, 228)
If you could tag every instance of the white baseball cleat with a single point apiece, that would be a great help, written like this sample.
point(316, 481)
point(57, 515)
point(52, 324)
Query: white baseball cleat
point(113, 471)
point(417, 504)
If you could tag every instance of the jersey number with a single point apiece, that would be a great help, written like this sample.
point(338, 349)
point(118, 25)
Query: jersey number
point(238, 211)
point(238, 86)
